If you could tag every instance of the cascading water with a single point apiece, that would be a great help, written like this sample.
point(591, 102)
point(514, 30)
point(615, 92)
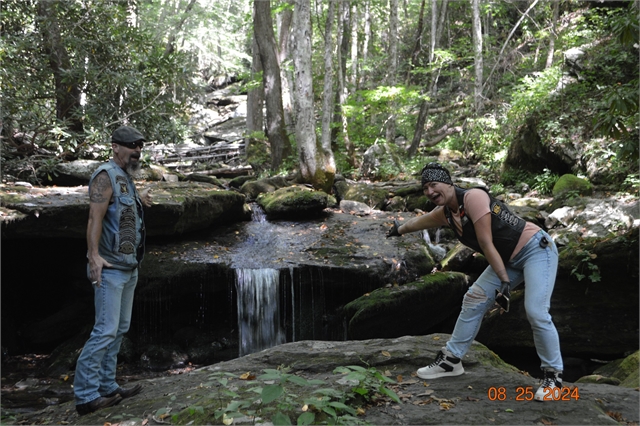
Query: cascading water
point(258, 310)
point(258, 301)
point(437, 251)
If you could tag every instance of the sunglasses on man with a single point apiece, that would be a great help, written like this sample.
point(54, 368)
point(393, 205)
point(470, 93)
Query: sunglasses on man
point(131, 145)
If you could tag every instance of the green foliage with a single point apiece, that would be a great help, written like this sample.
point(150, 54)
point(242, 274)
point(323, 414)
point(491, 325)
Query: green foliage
point(585, 267)
point(367, 381)
point(368, 111)
point(120, 72)
point(618, 112)
point(632, 182)
point(544, 183)
point(533, 94)
point(481, 141)
point(275, 396)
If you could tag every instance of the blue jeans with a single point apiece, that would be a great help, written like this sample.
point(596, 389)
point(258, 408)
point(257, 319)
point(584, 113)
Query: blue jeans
point(536, 266)
point(96, 366)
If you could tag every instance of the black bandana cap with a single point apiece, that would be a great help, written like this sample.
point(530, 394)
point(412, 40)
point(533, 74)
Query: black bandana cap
point(434, 172)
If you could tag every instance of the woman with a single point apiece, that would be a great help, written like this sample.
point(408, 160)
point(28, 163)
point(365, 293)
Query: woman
point(516, 250)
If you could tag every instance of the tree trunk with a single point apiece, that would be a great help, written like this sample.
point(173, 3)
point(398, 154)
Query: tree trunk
point(441, 21)
point(276, 130)
point(327, 93)
point(393, 66)
point(477, 50)
point(170, 46)
point(354, 48)
point(284, 34)
point(437, 24)
point(417, 134)
point(312, 168)
point(255, 115)
point(344, 34)
point(417, 47)
point(513, 30)
point(67, 91)
point(553, 35)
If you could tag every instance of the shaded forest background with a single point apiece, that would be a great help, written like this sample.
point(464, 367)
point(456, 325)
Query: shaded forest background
point(326, 81)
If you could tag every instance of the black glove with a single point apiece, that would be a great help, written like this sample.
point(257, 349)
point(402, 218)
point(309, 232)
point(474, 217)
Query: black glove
point(503, 296)
point(393, 232)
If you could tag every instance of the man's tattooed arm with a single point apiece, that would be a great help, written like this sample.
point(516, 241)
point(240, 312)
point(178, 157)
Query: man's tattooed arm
point(100, 190)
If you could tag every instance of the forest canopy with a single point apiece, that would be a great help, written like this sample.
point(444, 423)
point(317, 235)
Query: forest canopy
point(335, 78)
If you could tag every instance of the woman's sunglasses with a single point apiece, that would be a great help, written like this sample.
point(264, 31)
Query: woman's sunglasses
point(131, 145)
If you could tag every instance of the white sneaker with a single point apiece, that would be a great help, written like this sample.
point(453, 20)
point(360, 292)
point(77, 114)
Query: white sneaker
point(445, 365)
point(552, 380)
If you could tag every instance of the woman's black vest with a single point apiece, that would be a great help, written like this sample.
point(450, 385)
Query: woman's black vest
point(506, 227)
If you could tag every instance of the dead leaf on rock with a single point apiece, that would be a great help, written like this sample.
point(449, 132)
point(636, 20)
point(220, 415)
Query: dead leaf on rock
point(446, 406)
point(387, 354)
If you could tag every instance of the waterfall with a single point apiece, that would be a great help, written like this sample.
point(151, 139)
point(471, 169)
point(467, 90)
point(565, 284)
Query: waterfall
point(258, 310)
point(437, 251)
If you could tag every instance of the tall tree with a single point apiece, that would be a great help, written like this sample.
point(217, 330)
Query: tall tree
point(553, 33)
point(313, 168)
point(255, 105)
point(392, 66)
point(265, 37)
point(327, 93)
point(171, 42)
point(284, 35)
point(66, 87)
point(417, 46)
point(477, 55)
point(437, 23)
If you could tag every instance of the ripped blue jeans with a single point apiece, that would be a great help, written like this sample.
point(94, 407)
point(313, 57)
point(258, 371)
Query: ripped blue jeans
point(535, 265)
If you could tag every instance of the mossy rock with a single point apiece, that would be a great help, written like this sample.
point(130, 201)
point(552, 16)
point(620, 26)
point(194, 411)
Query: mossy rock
point(369, 194)
point(572, 183)
point(253, 189)
point(409, 309)
point(294, 202)
point(623, 372)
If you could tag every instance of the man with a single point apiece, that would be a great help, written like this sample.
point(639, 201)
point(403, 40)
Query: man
point(115, 240)
point(516, 250)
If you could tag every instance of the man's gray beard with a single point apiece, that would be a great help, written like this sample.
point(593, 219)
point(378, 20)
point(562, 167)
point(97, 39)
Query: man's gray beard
point(133, 169)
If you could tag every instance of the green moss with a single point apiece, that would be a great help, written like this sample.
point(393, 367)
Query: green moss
point(389, 297)
point(293, 201)
point(625, 370)
point(572, 183)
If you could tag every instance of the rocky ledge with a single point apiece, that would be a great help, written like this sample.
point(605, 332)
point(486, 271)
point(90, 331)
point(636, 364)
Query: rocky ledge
point(490, 391)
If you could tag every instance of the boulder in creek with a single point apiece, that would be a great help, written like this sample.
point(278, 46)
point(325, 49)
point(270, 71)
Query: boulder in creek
point(293, 202)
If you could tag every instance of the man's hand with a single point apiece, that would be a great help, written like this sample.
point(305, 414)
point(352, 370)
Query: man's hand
point(96, 264)
point(145, 197)
point(393, 232)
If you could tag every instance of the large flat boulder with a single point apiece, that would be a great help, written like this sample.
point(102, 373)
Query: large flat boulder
point(490, 392)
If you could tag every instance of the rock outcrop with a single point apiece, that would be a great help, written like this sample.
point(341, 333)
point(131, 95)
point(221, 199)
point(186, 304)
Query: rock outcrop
point(490, 391)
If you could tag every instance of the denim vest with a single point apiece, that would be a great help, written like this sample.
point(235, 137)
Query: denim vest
point(123, 233)
point(506, 227)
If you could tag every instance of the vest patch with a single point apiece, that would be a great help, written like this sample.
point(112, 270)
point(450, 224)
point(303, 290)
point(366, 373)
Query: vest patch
point(505, 215)
point(122, 182)
point(127, 231)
